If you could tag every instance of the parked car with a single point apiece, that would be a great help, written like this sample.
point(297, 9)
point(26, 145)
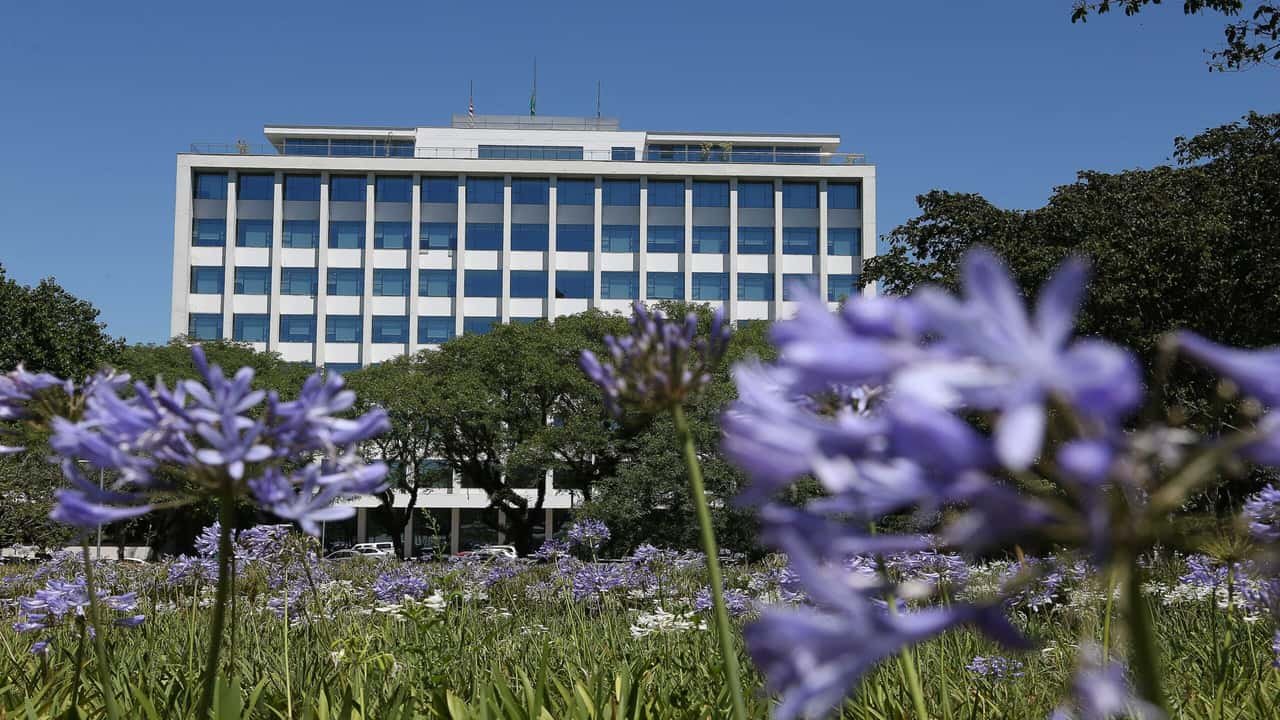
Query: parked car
point(504, 552)
point(345, 554)
point(375, 548)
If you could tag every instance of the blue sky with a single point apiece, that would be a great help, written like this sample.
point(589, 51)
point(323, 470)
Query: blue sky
point(1003, 98)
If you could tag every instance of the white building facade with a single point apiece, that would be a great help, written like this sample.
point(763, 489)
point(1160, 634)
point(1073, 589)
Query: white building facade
point(344, 246)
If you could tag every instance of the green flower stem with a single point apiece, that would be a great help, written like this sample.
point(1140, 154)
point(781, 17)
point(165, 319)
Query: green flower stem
point(1144, 657)
point(226, 516)
point(727, 649)
point(99, 644)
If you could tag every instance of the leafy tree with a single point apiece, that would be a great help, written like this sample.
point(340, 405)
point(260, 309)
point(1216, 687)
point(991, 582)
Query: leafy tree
point(47, 329)
point(1251, 38)
point(27, 483)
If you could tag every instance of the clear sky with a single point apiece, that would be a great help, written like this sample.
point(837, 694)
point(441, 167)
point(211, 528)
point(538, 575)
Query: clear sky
point(1006, 98)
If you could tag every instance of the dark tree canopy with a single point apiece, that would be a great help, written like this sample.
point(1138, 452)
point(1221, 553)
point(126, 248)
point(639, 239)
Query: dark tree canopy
point(1252, 37)
point(47, 329)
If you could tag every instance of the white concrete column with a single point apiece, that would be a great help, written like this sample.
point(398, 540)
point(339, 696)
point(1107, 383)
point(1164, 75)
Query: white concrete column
point(686, 261)
point(643, 255)
point(775, 307)
point(455, 529)
point(596, 252)
point(362, 525)
point(732, 302)
point(459, 258)
point(229, 258)
point(277, 245)
point(867, 200)
point(822, 240)
point(504, 258)
point(322, 270)
point(551, 248)
point(415, 258)
point(183, 218)
point(366, 259)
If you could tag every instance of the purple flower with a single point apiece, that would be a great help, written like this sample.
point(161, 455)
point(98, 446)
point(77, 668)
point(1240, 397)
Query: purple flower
point(1262, 511)
point(736, 602)
point(589, 533)
point(1100, 692)
point(995, 667)
point(406, 581)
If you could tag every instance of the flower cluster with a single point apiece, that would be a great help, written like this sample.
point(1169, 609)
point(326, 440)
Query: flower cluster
point(65, 600)
point(995, 667)
point(19, 392)
point(295, 459)
point(589, 533)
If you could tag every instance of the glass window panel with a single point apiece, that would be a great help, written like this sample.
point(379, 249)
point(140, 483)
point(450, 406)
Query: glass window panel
point(343, 328)
point(575, 238)
point(484, 236)
point(710, 193)
point(298, 281)
point(620, 238)
point(795, 283)
point(390, 282)
point(439, 236)
point(255, 187)
point(316, 147)
point(664, 285)
point(389, 235)
point(755, 286)
point(435, 330)
point(528, 283)
point(253, 233)
point(529, 236)
point(622, 192)
point(206, 280)
point(482, 283)
point(484, 191)
point(799, 195)
point(843, 196)
point(297, 328)
point(253, 281)
point(205, 326)
point(210, 186)
point(350, 147)
point(666, 193)
point(390, 329)
point(440, 190)
point(345, 281)
point(844, 242)
point(341, 368)
point(755, 194)
point(710, 239)
point(302, 188)
point(799, 241)
point(623, 153)
point(530, 191)
point(755, 240)
point(478, 325)
point(436, 283)
point(711, 286)
point(301, 234)
point(840, 287)
point(250, 327)
point(346, 234)
point(571, 191)
point(347, 188)
point(209, 232)
point(393, 189)
point(619, 285)
point(666, 238)
point(574, 284)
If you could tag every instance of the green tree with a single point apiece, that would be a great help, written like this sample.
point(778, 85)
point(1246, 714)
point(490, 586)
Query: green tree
point(27, 484)
point(1251, 38)
point(47, 329)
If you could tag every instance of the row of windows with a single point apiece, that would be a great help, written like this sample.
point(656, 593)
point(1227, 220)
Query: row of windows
point(528, 191)
point(254, 327)
point(841, 242)
point(346, 147)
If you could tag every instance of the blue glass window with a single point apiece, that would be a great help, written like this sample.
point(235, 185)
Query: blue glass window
point(206, 280)
point(298, 281)
point(306, 146)
point(840, 287)
point(393, 189)
point(436, 283)
point(664, 285)
point(794, 282)
point(799, 241)
point(301, 234)
point(755, 194)
point(390, 282)
point(799, 195)
point(343, 329)
point(529, 236)
point(482, 283)
point(530, 191)
point(350, 147)
point(623, 153)
point(755, 240)
point(528, 283)
point(573, 284)
point(255, 187)
point(484, 236)
point(844, 242)
point(575, 192)
point(710, 193)
point(438, 236)
point(297, 328)
point(388, 235)
point(843, 196)
point(302, 188)
point(710, 239)
point(525, 320)
point(209, 232)
point(253, 233)
point(435, 330)
point(253, 281)
point(575, 238)
point(251, 327)
point(616, 285)
point(484, 191)
point(341, 368)
point(666, 238)
point(622, 192)
point(390, 329)
point(204, 326)
point(478, 325)
point(439, 189)
point(666, 193)
point(210, 186)
point(711, 286)
point(620, 238)
point(346, 234)
point(346, 281)
point(347, 188)
point(530, 152)
point(755, 286)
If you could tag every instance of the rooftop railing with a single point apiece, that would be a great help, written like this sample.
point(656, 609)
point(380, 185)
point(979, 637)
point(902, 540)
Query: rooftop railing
point(718, 154)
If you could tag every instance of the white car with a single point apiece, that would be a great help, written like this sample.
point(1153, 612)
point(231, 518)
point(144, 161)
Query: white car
point(504, 552)
point(375, 548)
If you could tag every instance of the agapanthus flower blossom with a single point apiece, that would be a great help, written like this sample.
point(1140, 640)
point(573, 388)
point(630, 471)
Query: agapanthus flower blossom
point(1262, 512)
point(589, 533)
point(18, 389)
point(1100, 691)
point(995, 667)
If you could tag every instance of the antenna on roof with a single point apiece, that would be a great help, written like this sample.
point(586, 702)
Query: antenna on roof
point(597, 99)
point(533, 98)
point(471, 103)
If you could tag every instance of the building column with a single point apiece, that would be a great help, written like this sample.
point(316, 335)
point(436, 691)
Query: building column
point(366, 259)
point(548, 522)
point(867, 199)
point(775, 307)
point(822, 240)
point(596, 254)
point(686, 260)
point(504, 258)
point(732, 302)
point(229, 259)
point(362, 525)
point(415, 261)
point(277, 245)
point(643, 255)
point(408, 538)
point(552, 207)
point(455, 529)
point(502, 527)
point(322, 270)
point(184, 202)
point(459, 259)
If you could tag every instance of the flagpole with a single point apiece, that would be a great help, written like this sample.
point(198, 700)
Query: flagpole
point(533, 99)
